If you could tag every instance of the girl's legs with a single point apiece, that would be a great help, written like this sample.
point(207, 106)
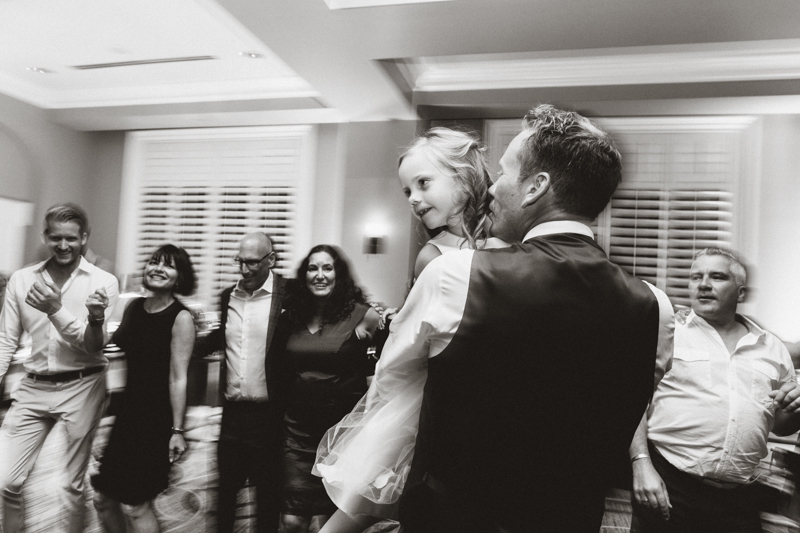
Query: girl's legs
point(109, 513)
point(342, 522)
point(141, 518)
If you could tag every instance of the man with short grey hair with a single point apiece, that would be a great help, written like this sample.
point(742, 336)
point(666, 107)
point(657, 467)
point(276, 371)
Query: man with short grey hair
point(62, 303)
point(696, 451)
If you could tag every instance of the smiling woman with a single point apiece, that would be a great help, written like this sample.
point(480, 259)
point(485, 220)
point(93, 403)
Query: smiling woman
point(157, 334)
point(331, 328)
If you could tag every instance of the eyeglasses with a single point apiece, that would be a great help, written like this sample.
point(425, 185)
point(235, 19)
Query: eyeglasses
point(251, 264)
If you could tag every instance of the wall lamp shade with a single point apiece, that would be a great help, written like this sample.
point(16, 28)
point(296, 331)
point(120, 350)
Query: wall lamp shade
point(373, 245)
point(374, 237)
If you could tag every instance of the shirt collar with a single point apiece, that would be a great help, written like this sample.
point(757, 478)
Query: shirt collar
point(558, 226)
point(266, 287)
point(752, 327)
point(84, 265)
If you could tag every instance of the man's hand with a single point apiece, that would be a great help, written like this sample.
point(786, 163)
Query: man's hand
point(787, 397)
point(96, 303)
point(649, 489)
point(386, 316)
point(681, 314)
point(177, 447)
point(44, 297)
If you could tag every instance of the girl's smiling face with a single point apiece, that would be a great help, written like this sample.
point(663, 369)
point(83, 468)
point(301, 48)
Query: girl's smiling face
point(434, 195)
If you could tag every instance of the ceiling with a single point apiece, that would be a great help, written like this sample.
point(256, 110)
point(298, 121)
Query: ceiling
point(109, 64)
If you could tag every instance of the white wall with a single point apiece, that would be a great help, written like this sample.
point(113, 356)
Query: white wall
point(42, 163)
point(775, 279)
point(372, 196)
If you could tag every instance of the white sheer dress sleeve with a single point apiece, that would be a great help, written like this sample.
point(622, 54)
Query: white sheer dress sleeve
point(364, 460)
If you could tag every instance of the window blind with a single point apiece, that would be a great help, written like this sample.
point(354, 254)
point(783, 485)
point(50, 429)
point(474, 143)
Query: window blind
point(654, 234)
point(204, 192)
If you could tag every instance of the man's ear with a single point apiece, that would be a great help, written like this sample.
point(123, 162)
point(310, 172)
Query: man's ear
point(534, 187)
point(742, 292)
point(84, 239)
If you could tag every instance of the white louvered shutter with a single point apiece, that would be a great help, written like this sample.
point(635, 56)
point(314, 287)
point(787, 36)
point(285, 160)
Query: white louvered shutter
point(203, 190)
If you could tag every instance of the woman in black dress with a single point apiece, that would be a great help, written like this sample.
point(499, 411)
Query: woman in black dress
point(331, 327)
point(157, 335)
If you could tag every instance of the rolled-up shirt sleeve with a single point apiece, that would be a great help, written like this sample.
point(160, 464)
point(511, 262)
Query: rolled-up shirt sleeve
point(666, 334)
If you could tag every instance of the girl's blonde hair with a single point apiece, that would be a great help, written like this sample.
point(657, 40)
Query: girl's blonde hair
point(462, 154)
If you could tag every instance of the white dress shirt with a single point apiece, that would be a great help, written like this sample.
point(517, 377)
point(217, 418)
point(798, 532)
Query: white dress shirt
point(246, 342)
point(57, 340)
point(435, 306)
point(711, 414)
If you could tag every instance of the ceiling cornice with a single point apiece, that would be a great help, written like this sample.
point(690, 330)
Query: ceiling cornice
point(715, 62)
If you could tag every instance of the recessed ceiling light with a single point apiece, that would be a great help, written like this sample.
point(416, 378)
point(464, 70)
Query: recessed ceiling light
point(144, 62)
point(40, 70)
point(254, 55)
point(349, 4)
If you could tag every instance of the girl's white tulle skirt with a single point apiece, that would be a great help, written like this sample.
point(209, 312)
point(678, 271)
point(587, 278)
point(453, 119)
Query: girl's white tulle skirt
point(364, 460)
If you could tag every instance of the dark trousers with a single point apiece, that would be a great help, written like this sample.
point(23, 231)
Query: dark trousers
point(428, 507)
point(248, 449)
point(697, 507)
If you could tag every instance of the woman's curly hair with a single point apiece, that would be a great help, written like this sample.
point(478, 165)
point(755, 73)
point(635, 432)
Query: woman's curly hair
point(300, 302)
point(461, 154)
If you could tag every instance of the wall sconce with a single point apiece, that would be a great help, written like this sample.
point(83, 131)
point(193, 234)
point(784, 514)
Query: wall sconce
point(374, 235)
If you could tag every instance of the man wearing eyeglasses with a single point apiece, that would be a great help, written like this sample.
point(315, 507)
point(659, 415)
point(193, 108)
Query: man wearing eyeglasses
point(250, 385)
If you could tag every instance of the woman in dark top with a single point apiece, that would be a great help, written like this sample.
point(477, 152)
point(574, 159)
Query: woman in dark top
point(157, 335)
point(331, 327)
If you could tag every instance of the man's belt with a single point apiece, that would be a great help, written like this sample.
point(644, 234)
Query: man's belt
point(66, 376)
point(725, 485)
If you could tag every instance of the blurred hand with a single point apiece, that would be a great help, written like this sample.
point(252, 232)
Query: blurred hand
point(96, 303)
point(787, 397)
point(681, 314)
point(386, 316)
point(44, 297)
point(177, 447)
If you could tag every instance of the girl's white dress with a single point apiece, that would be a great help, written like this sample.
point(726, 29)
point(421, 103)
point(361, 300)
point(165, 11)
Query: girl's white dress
point(364, 460)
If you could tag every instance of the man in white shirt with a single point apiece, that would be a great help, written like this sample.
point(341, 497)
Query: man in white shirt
point(62, 303)
point(251, 385)
point(730, 384)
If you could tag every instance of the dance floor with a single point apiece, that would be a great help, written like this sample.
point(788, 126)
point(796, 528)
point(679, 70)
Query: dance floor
point(188, 506)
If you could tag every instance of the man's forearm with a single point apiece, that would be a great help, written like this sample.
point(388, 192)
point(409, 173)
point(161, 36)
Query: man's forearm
point(94, 337)
point(638, 445)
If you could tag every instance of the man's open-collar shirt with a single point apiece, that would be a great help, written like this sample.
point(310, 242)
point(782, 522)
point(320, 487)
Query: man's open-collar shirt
point(711, 414)
point(246, 342)
point(57, 341)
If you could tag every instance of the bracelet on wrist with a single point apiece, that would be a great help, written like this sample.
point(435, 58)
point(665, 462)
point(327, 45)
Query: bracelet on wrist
point(96, 321)
point(639, 456)
point(178, 431)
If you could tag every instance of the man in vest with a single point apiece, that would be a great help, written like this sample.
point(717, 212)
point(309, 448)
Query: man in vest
point(541, 355)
